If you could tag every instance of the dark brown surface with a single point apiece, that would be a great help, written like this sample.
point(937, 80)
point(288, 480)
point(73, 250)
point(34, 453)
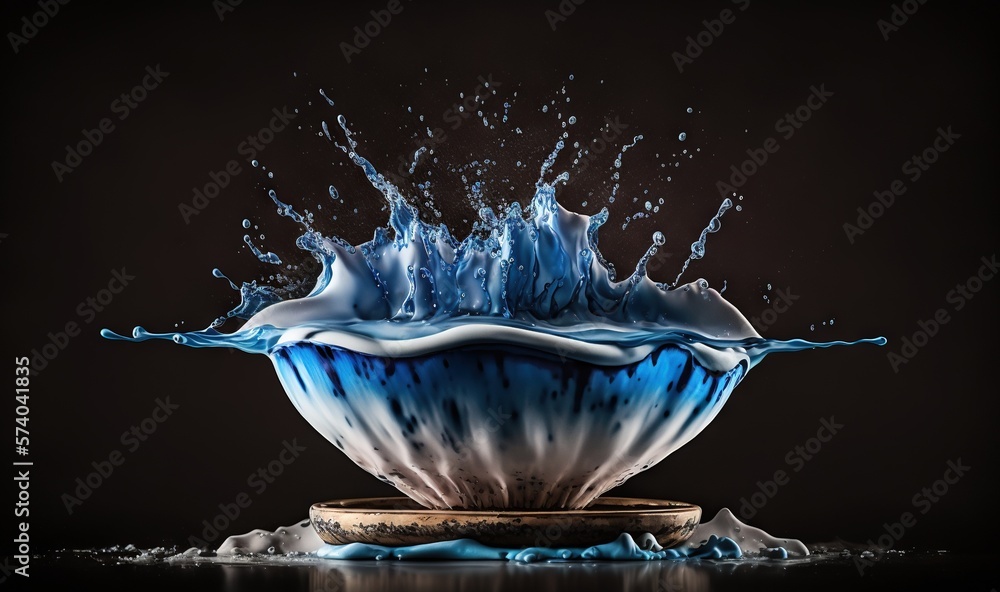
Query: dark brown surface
point(59, 241)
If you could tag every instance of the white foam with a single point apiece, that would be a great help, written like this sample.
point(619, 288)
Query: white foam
point(301, 538)
point(751, 539)
point(298, 538)
point(471, 332)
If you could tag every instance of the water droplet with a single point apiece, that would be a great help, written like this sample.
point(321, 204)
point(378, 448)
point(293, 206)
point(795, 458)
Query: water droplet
point(690, 110)
point(658, 238)
point(682, 136)
point(572, 119)
point(246, 223)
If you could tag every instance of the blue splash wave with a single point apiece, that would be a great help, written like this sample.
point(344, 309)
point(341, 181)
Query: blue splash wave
point(539, 268)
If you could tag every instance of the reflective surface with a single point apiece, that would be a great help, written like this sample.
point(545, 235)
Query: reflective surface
point(924, 571)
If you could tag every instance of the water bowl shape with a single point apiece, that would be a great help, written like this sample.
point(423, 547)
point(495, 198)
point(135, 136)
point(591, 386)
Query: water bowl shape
point(398, 522)
point(509, 369)
point(497, 424)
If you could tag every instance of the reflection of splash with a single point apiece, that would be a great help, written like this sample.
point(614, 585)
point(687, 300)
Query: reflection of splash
point(624, 548)
point(646, 576)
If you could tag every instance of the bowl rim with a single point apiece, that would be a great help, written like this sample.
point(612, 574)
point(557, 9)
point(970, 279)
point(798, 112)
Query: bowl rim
point(602, 506)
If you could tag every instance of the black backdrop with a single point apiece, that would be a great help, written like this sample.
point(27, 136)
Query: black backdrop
point(61, 240)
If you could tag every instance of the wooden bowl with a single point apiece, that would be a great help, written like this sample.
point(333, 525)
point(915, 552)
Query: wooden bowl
point(399, 521)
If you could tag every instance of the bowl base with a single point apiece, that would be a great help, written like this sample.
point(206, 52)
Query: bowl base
point(399, 521)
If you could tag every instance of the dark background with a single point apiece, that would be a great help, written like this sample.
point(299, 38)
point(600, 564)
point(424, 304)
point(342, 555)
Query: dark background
point(120, 208)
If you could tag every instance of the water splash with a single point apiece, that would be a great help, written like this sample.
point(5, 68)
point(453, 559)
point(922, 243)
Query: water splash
point(538, 269)
point(698, 247)
point(265, 257)
point(616, 176)
point(416, 158)
point(329, 101)
point(526, 279)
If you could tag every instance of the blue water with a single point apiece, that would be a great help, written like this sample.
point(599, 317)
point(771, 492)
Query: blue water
point(502, 427)
point(624, 548)
point(539, 268)
point(723, 537)
point(408, 345)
